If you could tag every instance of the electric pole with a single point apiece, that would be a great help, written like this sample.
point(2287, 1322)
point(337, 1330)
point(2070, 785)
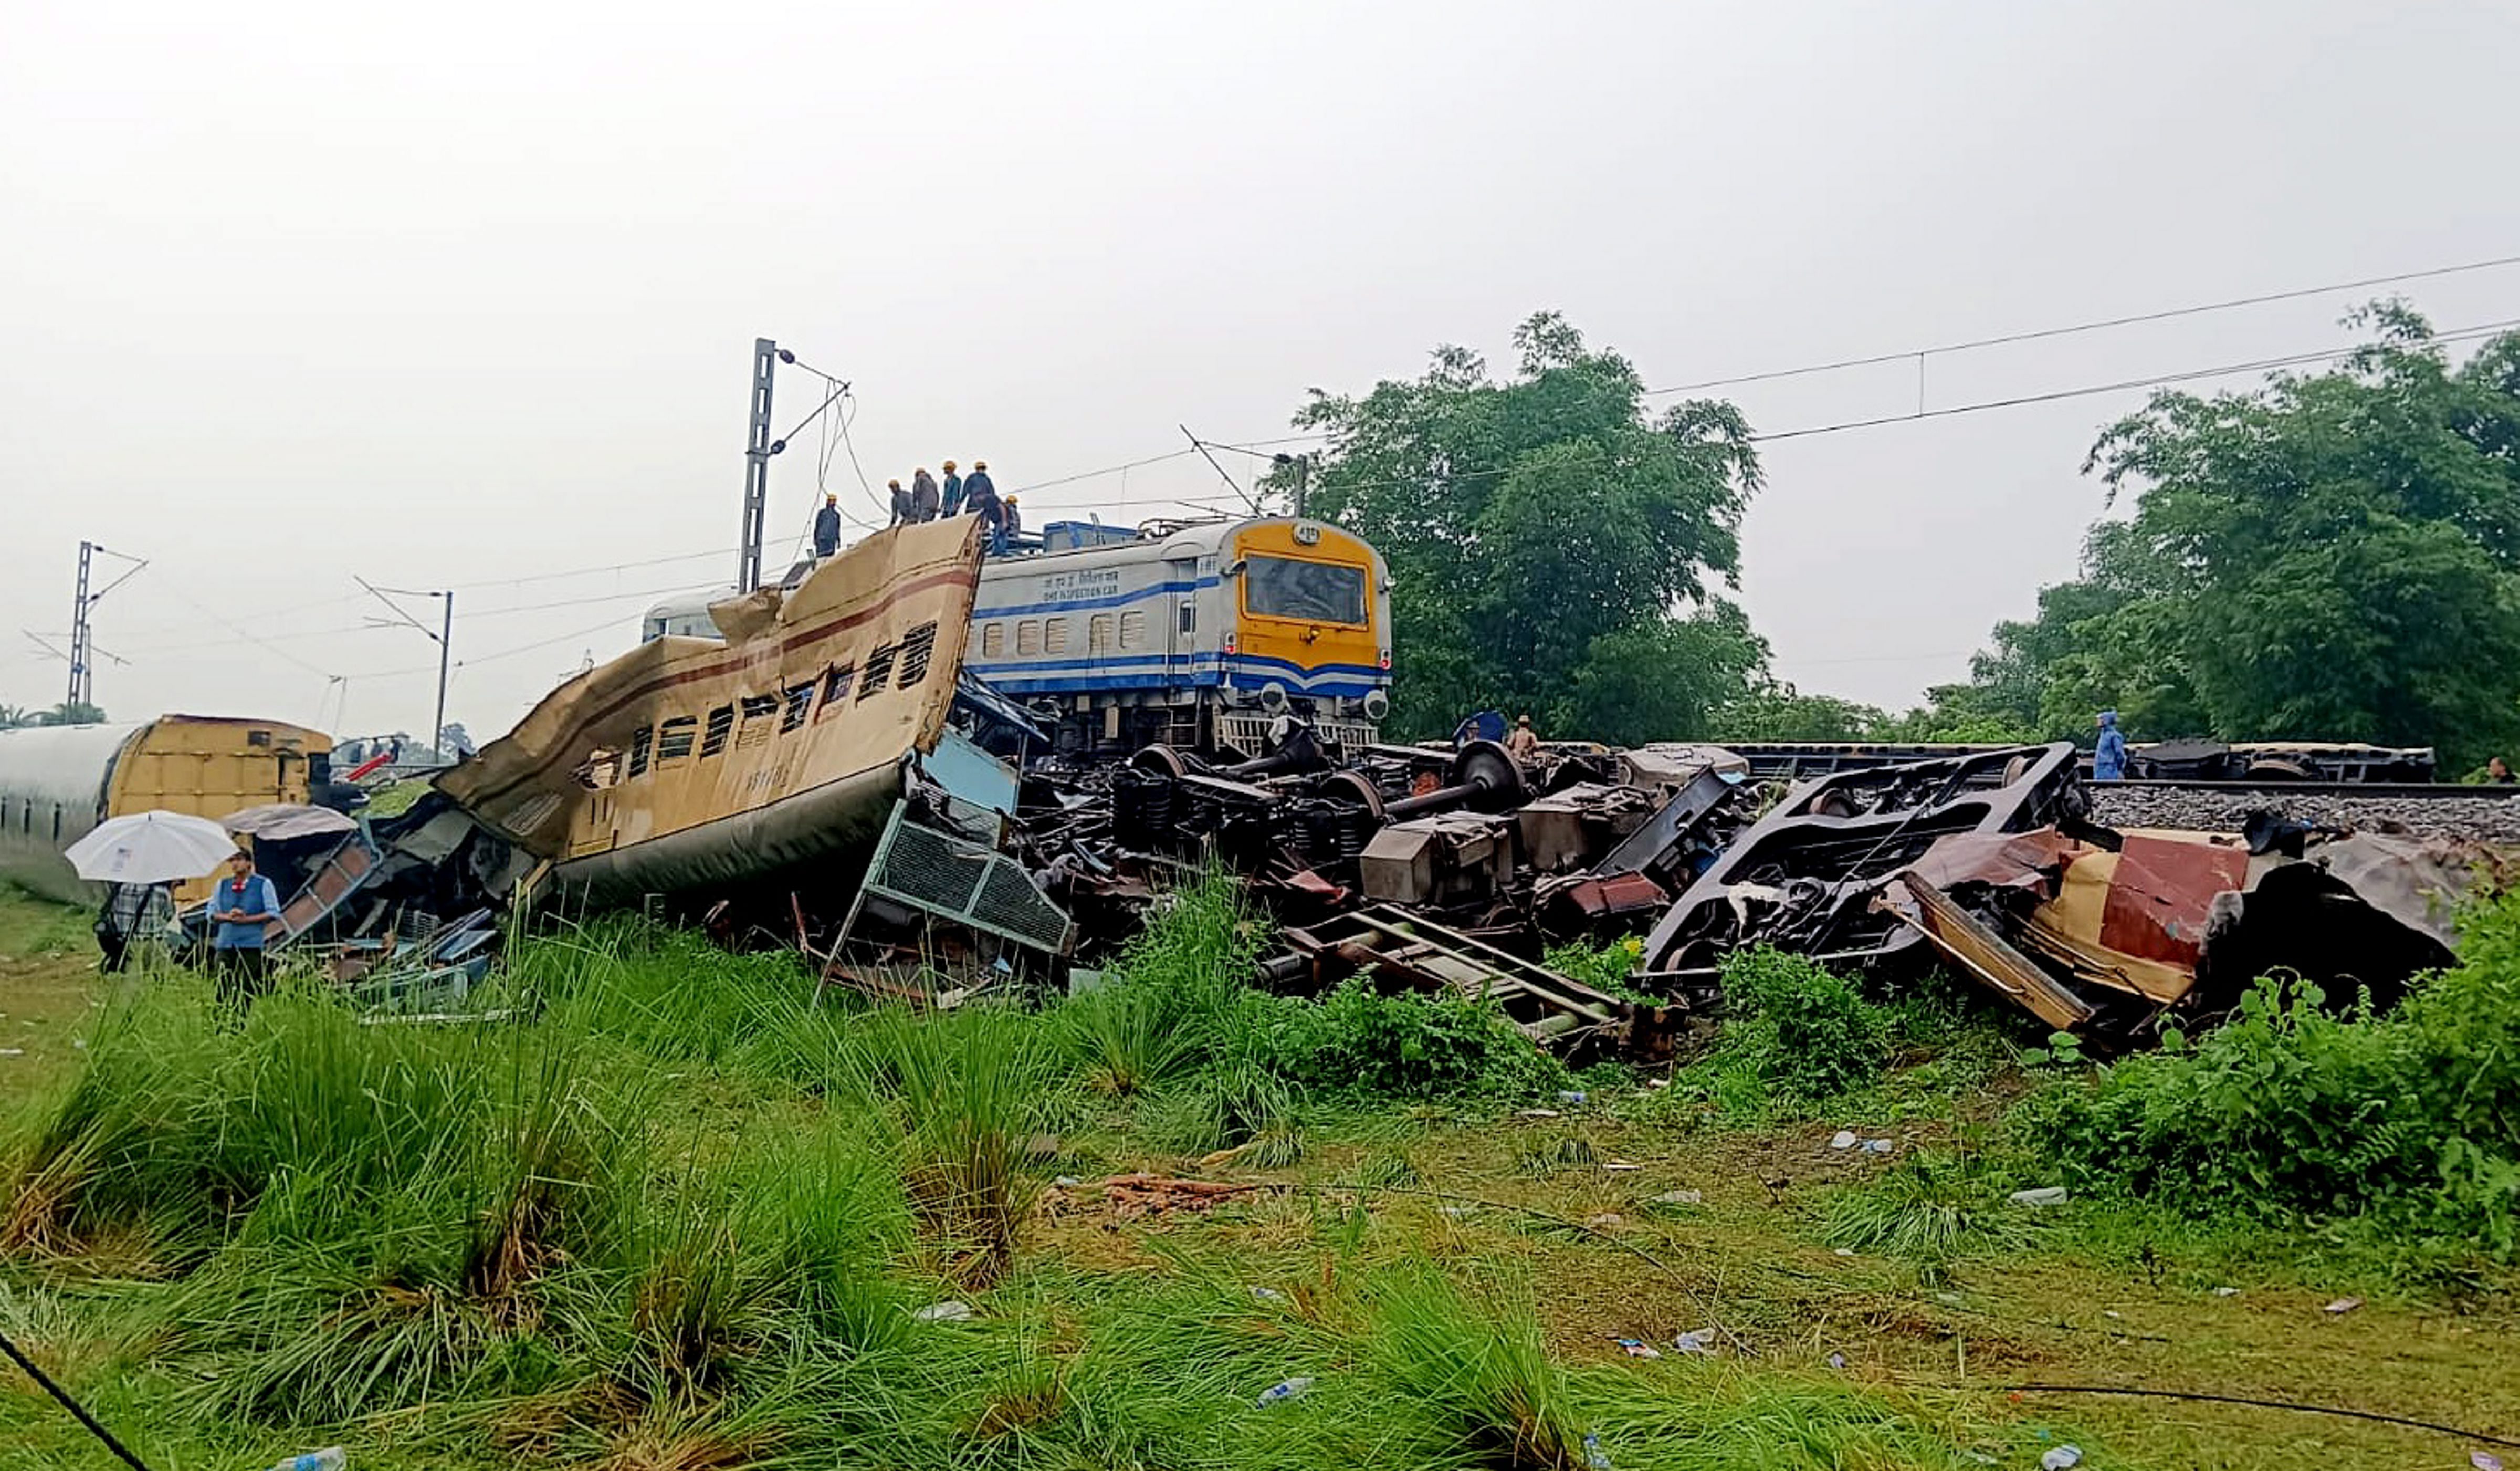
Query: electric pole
point(443, 635)
point(757, 466)
point(82, 690)
point(1302, 465)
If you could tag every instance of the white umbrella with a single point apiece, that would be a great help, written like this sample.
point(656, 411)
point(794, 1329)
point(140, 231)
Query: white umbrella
point(150, 847)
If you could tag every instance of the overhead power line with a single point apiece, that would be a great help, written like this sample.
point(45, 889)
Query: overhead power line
point(2102, 324)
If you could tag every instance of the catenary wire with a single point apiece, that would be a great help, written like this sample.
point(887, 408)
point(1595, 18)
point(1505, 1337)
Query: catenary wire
point(2102, 324)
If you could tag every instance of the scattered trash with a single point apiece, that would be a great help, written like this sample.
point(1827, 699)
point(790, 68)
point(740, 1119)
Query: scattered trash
point(1539, 1113)
point(1877, 1146)
point(1459, 1213)
point(2111, 1312)
point(12, 1051)
point(1618, 1167)
point(1268, 1295)
point(1679, 1198)
point(2227, 1292)
point(2044, 1195)
point(2341, 1306)
point(1284, 1390)
point(1068, 1182)
point(1843, 1139)
point(2062, 1458)
point(1838, 1361)
point(329, 1458)
point(1637, 1347)
point(2485, 1461)
point(948, 1311)
point(1843, 1251)
point(1604, 1219)
point(1574, 1097)
point(1597, 1460)
point(1696, 1341)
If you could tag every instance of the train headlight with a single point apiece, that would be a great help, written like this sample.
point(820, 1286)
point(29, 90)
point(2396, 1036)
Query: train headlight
point(1384, 659)
point(1272, 697)
point(1377, 704)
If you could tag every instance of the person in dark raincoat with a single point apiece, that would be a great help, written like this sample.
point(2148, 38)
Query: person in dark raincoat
point(2109, 755)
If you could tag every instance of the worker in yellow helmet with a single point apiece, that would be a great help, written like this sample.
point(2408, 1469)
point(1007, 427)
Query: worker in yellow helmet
point(952, 488)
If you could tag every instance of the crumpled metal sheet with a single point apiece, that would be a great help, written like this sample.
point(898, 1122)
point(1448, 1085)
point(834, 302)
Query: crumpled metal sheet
point(278, 821)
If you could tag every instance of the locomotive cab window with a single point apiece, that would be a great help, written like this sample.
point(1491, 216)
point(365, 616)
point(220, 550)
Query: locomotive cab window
point(1317, 592)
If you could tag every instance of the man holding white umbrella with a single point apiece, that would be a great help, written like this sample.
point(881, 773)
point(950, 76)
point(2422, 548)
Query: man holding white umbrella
point(161, 848)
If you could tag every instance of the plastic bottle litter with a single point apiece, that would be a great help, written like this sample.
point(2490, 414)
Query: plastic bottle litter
point(1877, 1146)
point(1637, 1348)
point(1268, 1295)
point(2062, 1458)
point(2485, 1461)
point(1844, 1138)
point(329, 1458)
point(2227, 1292)
point(1594, 1457)
point(2342, 1306)
point(1571, 1095)
point(1284, 1390)
point(2044, 1195)
point(1680, 1198)
point(1696, 1341)
point(1838, 1361)
point(944, 1312)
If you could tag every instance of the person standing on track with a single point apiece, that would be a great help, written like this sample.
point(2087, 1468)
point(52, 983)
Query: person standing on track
point(242, 906)
point(2109, 754)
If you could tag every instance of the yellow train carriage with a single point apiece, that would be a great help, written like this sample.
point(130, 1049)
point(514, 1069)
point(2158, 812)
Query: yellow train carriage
point(57, 782)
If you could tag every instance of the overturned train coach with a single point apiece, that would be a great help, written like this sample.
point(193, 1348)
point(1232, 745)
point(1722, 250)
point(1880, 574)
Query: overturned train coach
point(693, 765)
point(57, 782)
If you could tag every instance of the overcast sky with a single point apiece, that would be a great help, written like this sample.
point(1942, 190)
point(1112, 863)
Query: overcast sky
point(460, 294)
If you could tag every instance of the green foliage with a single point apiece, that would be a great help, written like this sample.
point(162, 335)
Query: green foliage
point(967, 1089)
point(1801, 1030)
point(1554, 490)
point(1478, 1381)
point(1358, 1042)
point(1170, 1010)
point(2292, 1109)
point(2333, 556)
point(1776, 711)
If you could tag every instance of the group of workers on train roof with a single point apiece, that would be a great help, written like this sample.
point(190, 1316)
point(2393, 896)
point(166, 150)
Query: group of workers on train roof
point(927, 499)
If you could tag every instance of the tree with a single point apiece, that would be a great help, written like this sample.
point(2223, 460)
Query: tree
point(2330, 556)
point(1777, 712)
point(67, 713)
point(1665, 681)
point(1549, 540)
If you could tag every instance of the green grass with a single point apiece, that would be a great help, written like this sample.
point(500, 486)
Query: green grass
point(678, 1219)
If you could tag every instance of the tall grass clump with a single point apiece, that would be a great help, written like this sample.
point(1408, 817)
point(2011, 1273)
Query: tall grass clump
point(1170, 1008)
point(2290, 1108)
point(667, 992)
point(1928, 1207)
point(967, 1089)
point(1475, 1377)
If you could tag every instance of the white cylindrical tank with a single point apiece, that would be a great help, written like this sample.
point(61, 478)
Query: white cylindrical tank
point(53, 785)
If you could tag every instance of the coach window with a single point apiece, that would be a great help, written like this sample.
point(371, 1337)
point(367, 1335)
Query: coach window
point(674, 741)
point(801, 703)
point(57, 822)
point(1189, 617)
point(915, 651)
point(1054, 635)
point(1099, 634)
point(993, 640)
point(721, 722)
point(1028, 637)
point(1133, 629)
point(879, 669)
point(835, 688)
point(643, 743)
point(757, 713)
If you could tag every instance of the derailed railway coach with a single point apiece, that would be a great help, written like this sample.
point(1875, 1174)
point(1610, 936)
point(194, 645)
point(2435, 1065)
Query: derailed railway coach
point(57, 782)
point(1196, 634)
point(694, 766)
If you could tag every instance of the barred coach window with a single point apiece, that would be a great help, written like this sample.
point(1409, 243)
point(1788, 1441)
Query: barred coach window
point(1320, 593)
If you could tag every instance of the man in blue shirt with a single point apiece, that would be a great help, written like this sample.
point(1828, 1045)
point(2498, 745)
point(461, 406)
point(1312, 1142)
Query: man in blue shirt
point(2108, 755)
point(240, 907)
point(952, 505)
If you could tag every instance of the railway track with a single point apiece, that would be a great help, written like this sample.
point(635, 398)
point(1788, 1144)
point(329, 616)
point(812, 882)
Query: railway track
point(2406, 790)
